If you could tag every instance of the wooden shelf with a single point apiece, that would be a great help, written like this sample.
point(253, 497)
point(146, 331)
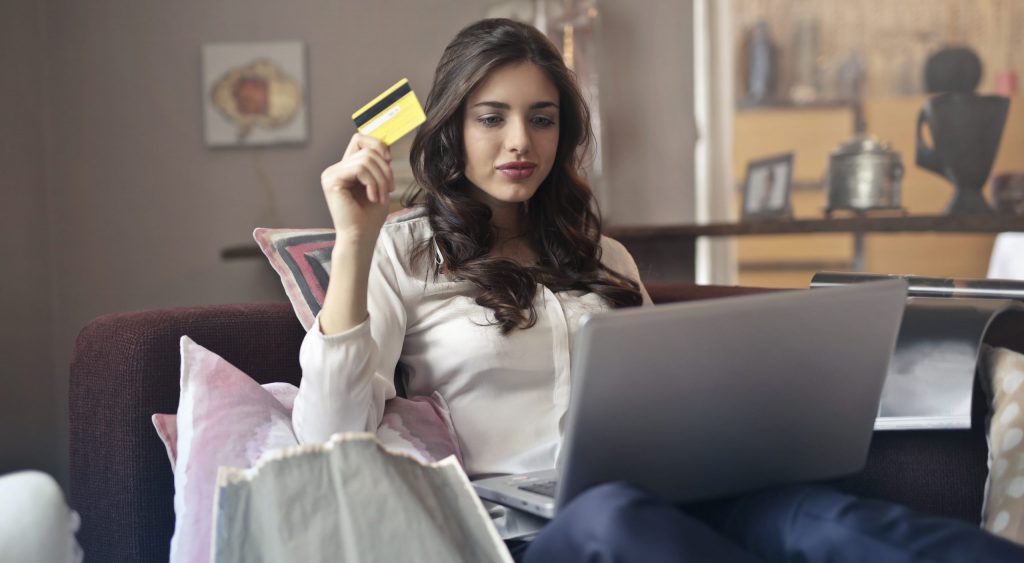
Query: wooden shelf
point(667, 253)
point(991, 223)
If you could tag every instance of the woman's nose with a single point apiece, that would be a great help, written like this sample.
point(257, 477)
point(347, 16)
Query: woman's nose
point(517, 138)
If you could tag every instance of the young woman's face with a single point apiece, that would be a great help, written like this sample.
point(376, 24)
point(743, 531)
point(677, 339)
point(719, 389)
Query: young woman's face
point(510, 131)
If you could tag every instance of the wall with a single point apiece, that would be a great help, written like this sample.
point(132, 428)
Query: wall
point(647, 96)
point(26, 401)
point(141, 208)
point(136, 209)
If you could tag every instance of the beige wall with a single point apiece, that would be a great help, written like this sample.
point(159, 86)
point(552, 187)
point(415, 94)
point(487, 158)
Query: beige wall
point(647, 96)
point(27, 406)
point(113, 175)
point(141, 208)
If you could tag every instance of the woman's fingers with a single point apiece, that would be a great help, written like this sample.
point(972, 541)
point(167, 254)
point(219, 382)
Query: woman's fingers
point(384, 174)
point(360, 142)
point(380, 171)
point(366, 168)
point(368, 181)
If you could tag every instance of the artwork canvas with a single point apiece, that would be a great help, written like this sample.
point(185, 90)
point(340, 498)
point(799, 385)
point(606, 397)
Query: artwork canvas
point(254, 93)
point(766, 191)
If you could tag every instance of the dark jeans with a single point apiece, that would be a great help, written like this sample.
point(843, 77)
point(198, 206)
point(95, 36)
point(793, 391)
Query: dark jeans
point(621, 523)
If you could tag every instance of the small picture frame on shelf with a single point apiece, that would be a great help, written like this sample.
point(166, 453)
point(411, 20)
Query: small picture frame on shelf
point(767, 186)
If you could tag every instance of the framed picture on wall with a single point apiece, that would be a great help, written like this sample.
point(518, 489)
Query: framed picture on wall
point(767, 186)
point(254, 93)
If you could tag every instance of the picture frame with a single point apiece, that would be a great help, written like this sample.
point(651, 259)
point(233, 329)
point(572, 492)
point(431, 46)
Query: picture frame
point(254, 93)
point(767, 188)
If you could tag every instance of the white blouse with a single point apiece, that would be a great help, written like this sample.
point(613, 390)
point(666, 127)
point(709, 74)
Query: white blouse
point(506, 395)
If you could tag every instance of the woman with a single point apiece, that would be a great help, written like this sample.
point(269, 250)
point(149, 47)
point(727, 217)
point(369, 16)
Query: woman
point(477, 293)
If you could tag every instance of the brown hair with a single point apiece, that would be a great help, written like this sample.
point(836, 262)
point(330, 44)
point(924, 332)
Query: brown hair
point(563, 224)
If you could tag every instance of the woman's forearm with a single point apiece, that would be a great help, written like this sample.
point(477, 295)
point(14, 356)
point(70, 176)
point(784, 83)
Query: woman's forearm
point(345, 300)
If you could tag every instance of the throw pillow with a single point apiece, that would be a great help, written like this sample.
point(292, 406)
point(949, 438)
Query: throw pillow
point(1003, 512)
point(225, 418)
point(419, 426)
point(302, 257)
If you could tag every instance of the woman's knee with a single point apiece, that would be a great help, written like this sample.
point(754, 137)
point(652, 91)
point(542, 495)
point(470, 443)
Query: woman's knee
point(605, 509)
point(621, 522)
point(613, 496)
point(35, 522)
point(595, 519)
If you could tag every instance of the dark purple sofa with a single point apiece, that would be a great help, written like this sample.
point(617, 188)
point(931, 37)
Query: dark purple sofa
point(126, 367)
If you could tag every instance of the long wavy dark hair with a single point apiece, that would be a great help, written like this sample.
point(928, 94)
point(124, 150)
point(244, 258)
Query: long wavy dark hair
point(563, 224)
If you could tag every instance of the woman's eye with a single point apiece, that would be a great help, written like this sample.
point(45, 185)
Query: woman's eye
point(490, 120)
point(543, 121)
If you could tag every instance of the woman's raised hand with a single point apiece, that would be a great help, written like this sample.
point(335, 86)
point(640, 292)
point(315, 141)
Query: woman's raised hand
point(358, 188)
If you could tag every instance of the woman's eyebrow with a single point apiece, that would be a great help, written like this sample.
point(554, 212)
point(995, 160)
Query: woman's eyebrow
point(503, 105)
point(542, 105)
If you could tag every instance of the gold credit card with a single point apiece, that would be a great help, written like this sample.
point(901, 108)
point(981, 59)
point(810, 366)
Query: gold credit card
point(391, 115)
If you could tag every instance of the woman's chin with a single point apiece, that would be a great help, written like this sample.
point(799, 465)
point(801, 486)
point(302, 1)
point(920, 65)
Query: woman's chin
point(508, 194)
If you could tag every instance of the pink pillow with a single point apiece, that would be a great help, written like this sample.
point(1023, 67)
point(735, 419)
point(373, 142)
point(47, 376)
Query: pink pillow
point(225, 418)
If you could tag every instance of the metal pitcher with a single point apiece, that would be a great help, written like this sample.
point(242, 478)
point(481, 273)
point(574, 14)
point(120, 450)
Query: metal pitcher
point(863, 174)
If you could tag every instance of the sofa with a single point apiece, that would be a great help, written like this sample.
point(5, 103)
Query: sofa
point(125, 367)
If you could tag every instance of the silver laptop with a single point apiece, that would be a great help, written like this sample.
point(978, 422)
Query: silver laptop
point(694, 401)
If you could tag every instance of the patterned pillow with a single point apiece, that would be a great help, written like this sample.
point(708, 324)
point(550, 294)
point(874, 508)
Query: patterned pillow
point(302, 257)
point(225, 418)
point(1003, 512)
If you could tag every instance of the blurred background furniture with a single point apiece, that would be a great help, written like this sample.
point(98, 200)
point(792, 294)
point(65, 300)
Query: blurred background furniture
point(666, 254)
point(1007, 260)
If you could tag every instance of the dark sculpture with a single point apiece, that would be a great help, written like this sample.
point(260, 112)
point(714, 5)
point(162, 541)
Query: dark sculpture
point(965, 128)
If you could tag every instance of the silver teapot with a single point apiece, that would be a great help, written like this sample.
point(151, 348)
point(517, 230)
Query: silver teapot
point(863, 175)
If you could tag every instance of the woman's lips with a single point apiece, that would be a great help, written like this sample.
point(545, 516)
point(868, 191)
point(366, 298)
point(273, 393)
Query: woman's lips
point(518, 170)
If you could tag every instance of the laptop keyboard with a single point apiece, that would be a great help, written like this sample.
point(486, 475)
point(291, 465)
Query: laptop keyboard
point(543, 488)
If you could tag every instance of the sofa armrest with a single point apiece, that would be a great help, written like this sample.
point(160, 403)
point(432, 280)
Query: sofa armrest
point(124, 368)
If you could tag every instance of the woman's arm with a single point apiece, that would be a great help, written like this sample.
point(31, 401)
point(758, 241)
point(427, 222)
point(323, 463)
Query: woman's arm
point(347, 376)
point(347, 359)
point(357, 192)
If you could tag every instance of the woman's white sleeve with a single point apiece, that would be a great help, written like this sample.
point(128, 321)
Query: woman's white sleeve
point(346, 377)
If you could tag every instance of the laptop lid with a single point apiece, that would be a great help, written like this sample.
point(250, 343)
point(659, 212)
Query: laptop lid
point(701, 400)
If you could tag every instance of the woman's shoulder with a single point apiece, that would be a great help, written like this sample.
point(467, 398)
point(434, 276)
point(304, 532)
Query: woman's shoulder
point(408, 218)
point(406, 226)
point(403, 233)
point(614, 252)
point(615, 257)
